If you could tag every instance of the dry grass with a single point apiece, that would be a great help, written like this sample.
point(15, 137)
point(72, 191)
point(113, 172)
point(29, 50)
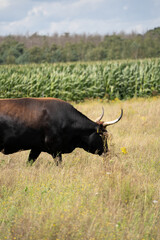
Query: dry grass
point(89, 197)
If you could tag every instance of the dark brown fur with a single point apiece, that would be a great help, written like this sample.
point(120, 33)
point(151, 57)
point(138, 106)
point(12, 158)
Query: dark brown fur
point(47, 125)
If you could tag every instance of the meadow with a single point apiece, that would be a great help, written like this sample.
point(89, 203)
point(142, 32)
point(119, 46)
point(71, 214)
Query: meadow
point(89, 197)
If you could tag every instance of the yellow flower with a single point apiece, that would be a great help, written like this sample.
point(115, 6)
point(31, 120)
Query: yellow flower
point(143, 118)
point(123, 150)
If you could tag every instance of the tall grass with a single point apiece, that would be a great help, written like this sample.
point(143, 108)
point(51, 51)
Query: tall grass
point(78, 81)
point(89, 197)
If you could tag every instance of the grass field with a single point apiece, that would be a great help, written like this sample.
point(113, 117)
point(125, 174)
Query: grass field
point(88, 197)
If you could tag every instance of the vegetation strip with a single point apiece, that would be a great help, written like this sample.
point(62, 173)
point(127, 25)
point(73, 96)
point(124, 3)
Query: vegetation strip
point(36, 48)
point(78, 81)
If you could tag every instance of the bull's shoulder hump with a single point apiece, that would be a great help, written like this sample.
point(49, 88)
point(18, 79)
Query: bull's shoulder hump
point(25, 106)
point(23, 109)
point(30, 103)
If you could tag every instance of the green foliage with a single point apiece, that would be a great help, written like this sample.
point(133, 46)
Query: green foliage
point(11, 50)
point(35, 55)
point(71, 48)
point(77, 81)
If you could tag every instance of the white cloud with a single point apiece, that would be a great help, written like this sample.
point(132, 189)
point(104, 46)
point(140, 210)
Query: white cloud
point(38, 11)
point(4, 4)
point(53, 9)
point(125, 8)
point(80, 26)
point(31, 24)
point(99, 26)
point(84, 3)
point(68, 9)
point(74, 16)
point(156, 3)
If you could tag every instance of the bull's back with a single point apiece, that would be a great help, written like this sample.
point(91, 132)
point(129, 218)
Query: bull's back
point(23, 121)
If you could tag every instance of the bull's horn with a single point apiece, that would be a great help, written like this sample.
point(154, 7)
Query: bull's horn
point(105, 124)
point(99, 118)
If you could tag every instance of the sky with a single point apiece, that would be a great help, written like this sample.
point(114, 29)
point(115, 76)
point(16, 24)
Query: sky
point(21, 17)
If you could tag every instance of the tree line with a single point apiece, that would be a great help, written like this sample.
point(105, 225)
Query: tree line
point(70, 48)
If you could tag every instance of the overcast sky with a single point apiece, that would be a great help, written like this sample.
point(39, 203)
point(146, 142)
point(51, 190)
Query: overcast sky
point(78, 16)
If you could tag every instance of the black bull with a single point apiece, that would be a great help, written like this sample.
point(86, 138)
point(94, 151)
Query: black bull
point(49, 125)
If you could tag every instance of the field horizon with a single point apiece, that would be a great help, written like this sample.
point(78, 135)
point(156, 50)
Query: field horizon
point(89, 197)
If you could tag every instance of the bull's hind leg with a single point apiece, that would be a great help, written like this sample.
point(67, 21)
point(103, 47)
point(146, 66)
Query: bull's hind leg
point(34, 153)
point(57, 159)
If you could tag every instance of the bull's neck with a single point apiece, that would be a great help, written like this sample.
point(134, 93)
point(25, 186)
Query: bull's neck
point(83, 123)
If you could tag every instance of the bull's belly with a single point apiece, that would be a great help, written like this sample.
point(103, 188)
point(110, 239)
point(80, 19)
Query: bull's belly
point(11, 147)
point(19, 143)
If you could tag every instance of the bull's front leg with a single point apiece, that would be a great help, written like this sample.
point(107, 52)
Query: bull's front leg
point(34, 153)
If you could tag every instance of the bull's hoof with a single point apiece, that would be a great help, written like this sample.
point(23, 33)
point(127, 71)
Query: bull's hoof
point(29, 163)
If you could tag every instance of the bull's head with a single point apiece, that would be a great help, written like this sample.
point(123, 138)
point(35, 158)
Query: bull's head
point(98, 139)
